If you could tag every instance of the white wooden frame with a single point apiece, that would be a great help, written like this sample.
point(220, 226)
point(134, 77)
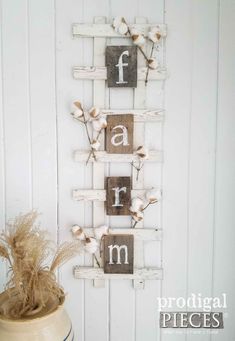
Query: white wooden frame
point(98, 274)
point(100, 194)
point(98, 73)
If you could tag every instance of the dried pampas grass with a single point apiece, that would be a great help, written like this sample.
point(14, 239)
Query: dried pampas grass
point(32, 284)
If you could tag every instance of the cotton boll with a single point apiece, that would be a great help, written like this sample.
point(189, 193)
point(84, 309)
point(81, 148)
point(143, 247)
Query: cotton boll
point(142, 152)
point(117, 22)
point(156, 34)
point(95, 144)
point(99, 124)
point(153, 63)
point(101, 231)
point(123, 28)
point(137, 205)
point(78, 233)
point(91, 245)
point(94, 112)
point(153, 195)
point(138, 216)
point(138, 39)
point(76, 109)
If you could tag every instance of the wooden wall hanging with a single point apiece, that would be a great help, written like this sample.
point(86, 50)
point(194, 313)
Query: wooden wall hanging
point(101, 71)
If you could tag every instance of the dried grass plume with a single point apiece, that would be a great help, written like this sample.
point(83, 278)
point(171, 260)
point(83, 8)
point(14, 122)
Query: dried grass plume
point(32, 288)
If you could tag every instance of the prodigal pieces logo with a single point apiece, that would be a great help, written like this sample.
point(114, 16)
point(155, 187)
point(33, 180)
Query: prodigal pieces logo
point(212, 320)
point(202, 315)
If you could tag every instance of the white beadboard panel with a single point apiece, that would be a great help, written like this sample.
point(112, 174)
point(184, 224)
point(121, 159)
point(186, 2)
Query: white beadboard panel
point(202, 133)
point(190, 118)
point(147, 324)
point(16, 108)
point(224, 251)
point(176, 143)
point(70, 137)
point(2, 160)
point(43, 111)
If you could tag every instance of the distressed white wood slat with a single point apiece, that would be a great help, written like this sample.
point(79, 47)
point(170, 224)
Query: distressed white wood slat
point(140, 115)
point(102, 156)
point(146, 234)
point(100, 194)
point(98, 168)
point(139, 140)
point(97, 273)
point(100, 73)
point(106, 30)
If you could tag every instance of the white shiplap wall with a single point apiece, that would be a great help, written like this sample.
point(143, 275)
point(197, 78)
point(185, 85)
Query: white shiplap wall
point(37, 137)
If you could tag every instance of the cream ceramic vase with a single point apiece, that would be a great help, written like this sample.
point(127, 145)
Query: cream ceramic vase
point(55, 326)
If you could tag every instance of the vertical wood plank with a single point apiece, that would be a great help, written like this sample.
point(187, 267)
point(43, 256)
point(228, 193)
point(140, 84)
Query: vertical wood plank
point(147, 327)
point(96, 320)
point(202, 150)
point(43, 111)
point(224, 252)
point(16, 109)
point(139, 140)
point(70, 135)
point(176, 143)
point(2, 159)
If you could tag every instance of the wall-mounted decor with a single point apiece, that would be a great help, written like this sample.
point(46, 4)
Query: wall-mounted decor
point(119, 136)
point(118, 195)
point(118, 251)
point(121, 62)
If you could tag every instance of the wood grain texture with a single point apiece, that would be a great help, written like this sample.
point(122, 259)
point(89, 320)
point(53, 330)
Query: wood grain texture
point(140, 115)
point(118, 195)
point(106, 30)
point(121, 63)
point(103, 156)
point(119, 134)
point(118, 254)
point(100, 72)
point(100, 194)
point(146, 234)
point(96, 273)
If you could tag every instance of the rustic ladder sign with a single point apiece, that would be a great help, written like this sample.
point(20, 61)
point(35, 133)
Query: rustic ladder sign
point(135, 119)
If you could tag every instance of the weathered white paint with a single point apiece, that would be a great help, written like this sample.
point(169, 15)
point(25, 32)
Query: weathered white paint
point(106, 30)
point(38, 137)
point(102, 156)
point(100, 194)
point(96, 273)
point(140, 115)
point(146, 234)
point(100, 73)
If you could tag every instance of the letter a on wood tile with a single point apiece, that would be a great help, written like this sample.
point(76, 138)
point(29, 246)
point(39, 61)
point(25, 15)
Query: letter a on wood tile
point(118, 254)
point(121, 62)
point(118, 195)
point(119, 134)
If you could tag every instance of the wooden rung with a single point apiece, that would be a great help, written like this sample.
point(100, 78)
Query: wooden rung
point(98, 273)
point(140, 115)
point(106, 30)
point(144, 234)
point(102, 156)
point(100, 194)
point(100, 73)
